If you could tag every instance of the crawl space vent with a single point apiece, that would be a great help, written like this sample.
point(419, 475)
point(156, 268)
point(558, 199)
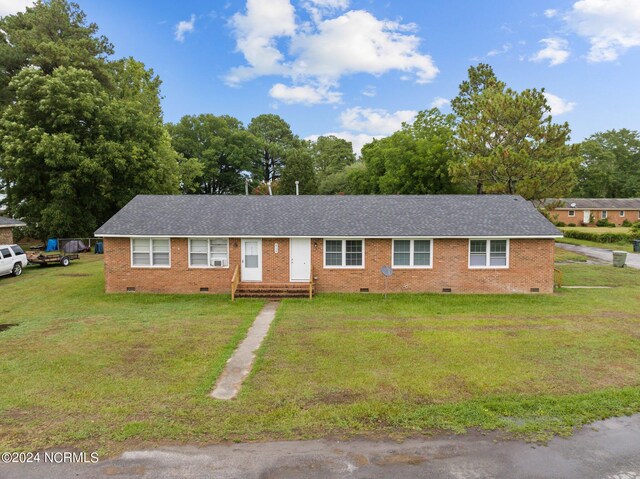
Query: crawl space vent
point(364, 290)
point(535, 290)
point(131, 289)
point(446, 290)
point(204, 290)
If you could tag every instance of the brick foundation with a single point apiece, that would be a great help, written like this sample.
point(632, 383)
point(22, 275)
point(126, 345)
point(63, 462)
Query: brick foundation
point(530, 266)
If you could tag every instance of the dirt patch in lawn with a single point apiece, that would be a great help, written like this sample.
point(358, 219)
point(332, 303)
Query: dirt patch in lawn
point(5, 326)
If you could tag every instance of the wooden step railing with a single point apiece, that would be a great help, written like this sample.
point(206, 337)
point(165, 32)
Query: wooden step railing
point(557, 278)
point(311, 284)
point(235, 281)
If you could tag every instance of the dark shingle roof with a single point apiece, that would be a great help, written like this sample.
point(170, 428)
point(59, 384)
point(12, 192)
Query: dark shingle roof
point(600, 203)
point(10, 222)
point(322, 216)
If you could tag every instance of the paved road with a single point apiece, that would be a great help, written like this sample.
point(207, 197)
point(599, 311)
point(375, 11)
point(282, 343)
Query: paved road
point(606, 449)
point(601, 254)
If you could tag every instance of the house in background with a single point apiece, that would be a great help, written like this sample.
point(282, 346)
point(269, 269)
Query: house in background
point(6, 229)
point(443, 243)
point(585, 211)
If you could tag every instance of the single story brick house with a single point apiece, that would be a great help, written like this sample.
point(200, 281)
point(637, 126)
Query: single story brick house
point(438, 243)
point(585, 211)
point(6, 229)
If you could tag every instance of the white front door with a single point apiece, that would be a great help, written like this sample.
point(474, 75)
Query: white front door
point(251, 260)
point(587, 216)
point(300, 261)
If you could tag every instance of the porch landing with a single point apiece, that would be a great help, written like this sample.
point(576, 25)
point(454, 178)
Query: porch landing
point(274, 290)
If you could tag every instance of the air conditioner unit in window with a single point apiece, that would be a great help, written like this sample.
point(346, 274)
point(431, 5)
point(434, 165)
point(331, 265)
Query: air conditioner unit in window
point(219, 263)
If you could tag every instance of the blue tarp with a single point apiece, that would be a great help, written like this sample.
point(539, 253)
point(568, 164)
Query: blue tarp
point(52, 244)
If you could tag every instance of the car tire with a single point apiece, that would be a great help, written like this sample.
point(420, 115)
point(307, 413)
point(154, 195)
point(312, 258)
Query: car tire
point(65, 261)
point(17, 269)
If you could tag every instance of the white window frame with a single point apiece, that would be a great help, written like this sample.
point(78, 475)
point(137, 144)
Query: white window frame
point(411, 251)
point(603, 214)
point(487, 260)
point(621, 213)
point(209, 265)
point(344, 253)
point(150, 265)
point(572, 213)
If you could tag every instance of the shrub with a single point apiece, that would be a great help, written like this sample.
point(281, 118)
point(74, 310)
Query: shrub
point(627, 223)
point(560, 224)
point(573, 225)
point(604, 222)
point(599, 237)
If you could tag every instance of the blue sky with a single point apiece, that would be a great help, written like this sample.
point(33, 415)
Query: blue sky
point(358, 68)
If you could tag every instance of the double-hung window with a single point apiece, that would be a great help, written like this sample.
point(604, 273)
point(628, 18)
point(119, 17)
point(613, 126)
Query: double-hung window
point(344, 253)
point(621, 213)
point(489, 253)
point(603, 214)
point(209, 253)
point(411, 253)
point(151, 252)
point(572, 213)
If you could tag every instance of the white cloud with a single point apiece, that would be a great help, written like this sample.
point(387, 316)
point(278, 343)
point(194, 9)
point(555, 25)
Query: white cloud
point(499, 51)
point(321, 52)
point(358, 140)
point(370, 91)
point(550, 12)
point(183, 27)
point(305, 94)
point(10, 7)
point(558, 105)
point(439, 102)
point(256, 33)
point(357, 42)
point(556, 50)
point(611, 26)
point(375, 121)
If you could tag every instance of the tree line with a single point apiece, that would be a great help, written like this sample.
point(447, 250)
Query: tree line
point(81, 133)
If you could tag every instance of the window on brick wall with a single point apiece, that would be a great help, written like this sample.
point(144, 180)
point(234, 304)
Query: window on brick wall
point(209, 253)
point(622, 214)
point(411, 253)
point(344, 253)
point(603, 214)
point(151, 252)
point(572, 213)
point(489, 253)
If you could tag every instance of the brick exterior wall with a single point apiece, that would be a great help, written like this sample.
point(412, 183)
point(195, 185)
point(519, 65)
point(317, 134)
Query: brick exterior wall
point(530, 266)
point(612, 215)
point(6, 235)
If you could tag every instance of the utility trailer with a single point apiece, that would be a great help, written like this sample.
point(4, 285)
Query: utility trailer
point(42, 259)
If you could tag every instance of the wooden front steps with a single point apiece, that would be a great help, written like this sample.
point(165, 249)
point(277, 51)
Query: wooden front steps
point(273, 290)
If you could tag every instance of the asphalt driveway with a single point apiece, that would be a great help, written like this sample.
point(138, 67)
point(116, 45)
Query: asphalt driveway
point(606, 449)
point(601, 254)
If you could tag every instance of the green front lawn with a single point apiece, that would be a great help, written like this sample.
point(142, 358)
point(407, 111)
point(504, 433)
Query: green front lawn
point(597, 229)
point(562, 255)
point(91, 370)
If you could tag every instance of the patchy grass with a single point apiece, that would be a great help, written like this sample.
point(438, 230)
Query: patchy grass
point(83, 367)
point(115, 371)
point(562, 256)
point(620, 246)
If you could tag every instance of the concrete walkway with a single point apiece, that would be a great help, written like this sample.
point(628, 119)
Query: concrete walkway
point(601, 254)
point(239, 365)
point(605, 449)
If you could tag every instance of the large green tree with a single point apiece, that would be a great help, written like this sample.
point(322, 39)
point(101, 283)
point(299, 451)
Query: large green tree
point(276, 138)
point(222, 147)
point(331, 155)
point(51, 34)
point(508, 140)
point(80, 135)
point(299, 167)
point(414, 160)
point(610, 165)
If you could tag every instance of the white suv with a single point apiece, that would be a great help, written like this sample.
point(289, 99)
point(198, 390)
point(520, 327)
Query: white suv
point(12, 259)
